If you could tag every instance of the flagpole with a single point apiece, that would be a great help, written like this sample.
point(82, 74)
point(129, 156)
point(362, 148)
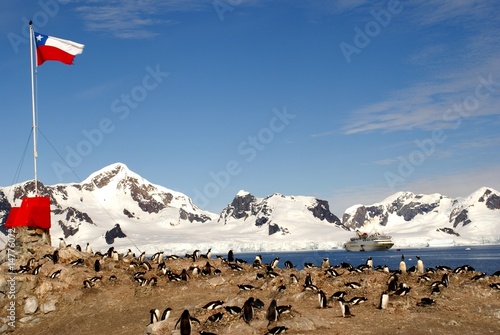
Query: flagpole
point(35, 153)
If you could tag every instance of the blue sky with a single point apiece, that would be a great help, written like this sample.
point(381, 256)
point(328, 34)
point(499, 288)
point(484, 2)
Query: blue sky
point(347, 101)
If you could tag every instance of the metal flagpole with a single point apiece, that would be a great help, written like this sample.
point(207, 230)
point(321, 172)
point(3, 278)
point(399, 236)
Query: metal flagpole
point(35, 153)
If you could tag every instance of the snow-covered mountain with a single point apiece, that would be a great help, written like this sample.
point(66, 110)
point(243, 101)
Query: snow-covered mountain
point(116, 207)
point(421, 219)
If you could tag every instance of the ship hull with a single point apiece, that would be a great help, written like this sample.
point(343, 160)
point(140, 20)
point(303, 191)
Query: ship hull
point(368, 245)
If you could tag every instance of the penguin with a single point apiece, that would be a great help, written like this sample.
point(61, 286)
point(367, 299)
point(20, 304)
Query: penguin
point(97, 266)
point(357, 300)
point(202, 332)
point(213, 305)
point(338, 295)
point(495, 286)
point(79, 261)
point(445, 279)
point(185, 323)
point(142, 257)
point(154, 316)
point(323, 303)
point(308, 265)
point(55, 257)
point(425, 302)
point(293, 279)
point(230, 256)
point(353, 285)
point(87, 284)
point(215, 317)
point(208, 254)
point(184, 275)
point(116, 256)
point(36, 270)
point(274, 263)
point(277, 330)
point(55, 274)
point(236, 267)
point(248, 309)
point(259, 304)
point(402, 264)
point(88, 249)
point(344, 307)
point(402, 290)
point(233, 310)
point(369, 262)
point(257, 260)
point(246, 287)
point(129, 254)
point(78, 248)
point(308, 281)
point(325, 263)
point(196, 255)
point(62, 243)
point(272, 312)
point(331, 273)
point(284, 309)
point(259, 276)
point(480, 276)
point(420, 265)
point(166, 314)
point(392, 283)
point(384, 300)
point(289, 265)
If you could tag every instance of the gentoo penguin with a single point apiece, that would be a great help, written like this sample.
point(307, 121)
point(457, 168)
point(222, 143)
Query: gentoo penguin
point(277, 330)
point(293, 279)
point(97, 266)
point(213, 305)
point(402, 264)
point(369, 262)
point(55, 257)
point(274, 263)
point(246, 287)
point(87, 284)
point(36, 270)
point(88, 249)
point(116, 255)
point(323, 303)
point(166, 313)
point(230, 256)
point(272, 312)
point(248, 309)
point(289, 265)
point(338, 295)
point(420, 265)
point(384, 300)
point(353, 285)
point(184, 275)
point(233, 310)
point(215, 317)
point(154, 315)
point(284, 309)
point(62, 243)
point(185, 321)
point(308, 281)
point(344, 307)
point(78, 248)
point(79, 261)
point(325, 264)
point(426, 302)
point(445, 279)
point(196, 255)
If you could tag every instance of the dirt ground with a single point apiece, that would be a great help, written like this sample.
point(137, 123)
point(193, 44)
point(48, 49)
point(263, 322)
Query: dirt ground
point(122, 306)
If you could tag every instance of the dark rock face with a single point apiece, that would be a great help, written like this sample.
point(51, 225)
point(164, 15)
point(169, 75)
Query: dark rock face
point(364, 214)
point(409, 211)
point(448, 231)
point(4, 211)
point(115, 232)
point(459, 216)
point(242, 205)
point(491, 200)
point(192, 217)
point(322, 211)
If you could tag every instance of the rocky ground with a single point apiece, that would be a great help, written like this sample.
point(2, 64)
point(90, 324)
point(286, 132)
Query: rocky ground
point(62, 305)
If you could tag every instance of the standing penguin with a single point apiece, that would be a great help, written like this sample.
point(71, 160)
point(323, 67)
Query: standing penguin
point(323, 302)
point(402, 264)
point(384, 300)
point(274, 263)
point(325, 264)
point(97, 266)
point(369, 262)
point(230, 256)
point(248, 309)
point(185, 321)
point(272, 312)
point(420, 265)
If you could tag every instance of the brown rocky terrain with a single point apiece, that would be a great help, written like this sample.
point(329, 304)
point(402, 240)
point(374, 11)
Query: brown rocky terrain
point(122, 306)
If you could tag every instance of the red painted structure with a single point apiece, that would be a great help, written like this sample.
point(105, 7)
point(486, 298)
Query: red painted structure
point(34, 212)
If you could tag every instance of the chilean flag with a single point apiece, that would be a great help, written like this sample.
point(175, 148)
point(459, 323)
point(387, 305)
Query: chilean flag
point(53, 48)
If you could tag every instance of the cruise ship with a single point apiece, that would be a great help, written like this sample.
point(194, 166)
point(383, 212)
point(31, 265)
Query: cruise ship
point(372, 242)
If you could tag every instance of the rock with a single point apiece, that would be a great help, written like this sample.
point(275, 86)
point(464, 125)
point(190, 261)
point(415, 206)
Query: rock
point(49, 306)
point(31, 305)
point(43, 289)
point(3, 329)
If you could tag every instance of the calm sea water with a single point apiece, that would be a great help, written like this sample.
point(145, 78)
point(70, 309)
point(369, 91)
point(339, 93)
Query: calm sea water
point(482, 258)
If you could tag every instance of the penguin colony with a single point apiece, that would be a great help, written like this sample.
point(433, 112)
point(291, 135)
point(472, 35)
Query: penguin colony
point(268, 295)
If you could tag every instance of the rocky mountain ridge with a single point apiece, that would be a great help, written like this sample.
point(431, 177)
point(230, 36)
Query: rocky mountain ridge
point(115, 206)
